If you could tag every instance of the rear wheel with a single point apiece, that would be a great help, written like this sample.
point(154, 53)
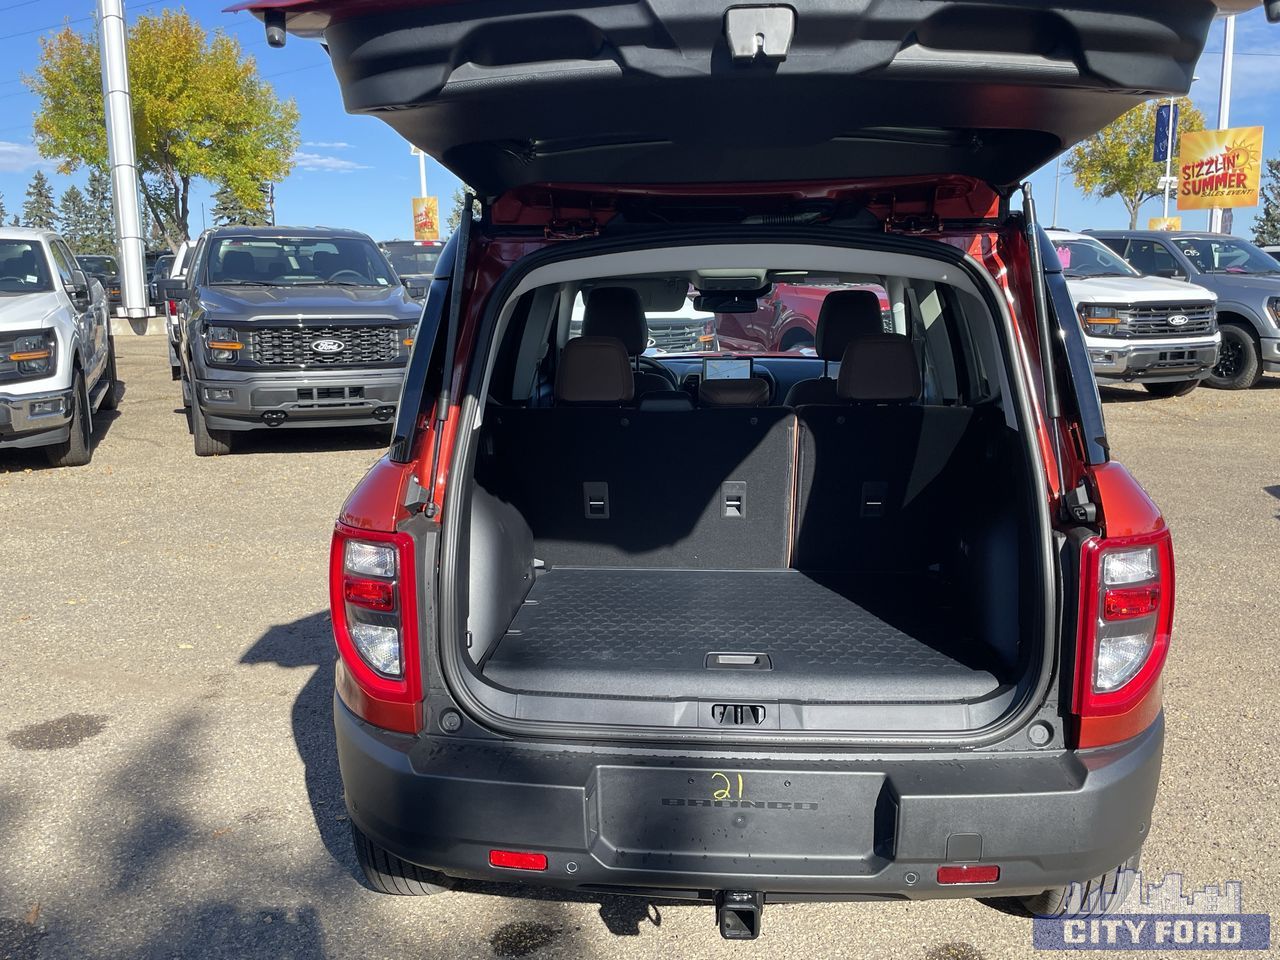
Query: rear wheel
point(1096, 897)
point(1178, 388)
point(1238, 365)
point(77, 449)
point(797, 340)
point(209, 443)
point(387, 873)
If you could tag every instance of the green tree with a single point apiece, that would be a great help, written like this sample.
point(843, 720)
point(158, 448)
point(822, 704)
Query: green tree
point(73, 213)
point(100, 228)
point(39, 210)
point(200, 111)
point(229, 210)
point(455, 211)
point(1266, 228)
point(1116, 161)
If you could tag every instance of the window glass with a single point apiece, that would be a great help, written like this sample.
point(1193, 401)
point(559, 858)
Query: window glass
point(1151, 257)
point(1089, 258)
point(297, 261)
point(1226, 255)
point(24, 268)
point(63, 261)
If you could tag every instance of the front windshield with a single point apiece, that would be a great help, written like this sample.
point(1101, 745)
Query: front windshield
point(24, 268)
point(103, 265)
point(1089, 258)
point(412, 259)
point(297, 262)
point(1226, 255)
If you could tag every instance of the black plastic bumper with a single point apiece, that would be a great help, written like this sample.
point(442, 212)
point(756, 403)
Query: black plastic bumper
point(671, 825)
point(246, 401)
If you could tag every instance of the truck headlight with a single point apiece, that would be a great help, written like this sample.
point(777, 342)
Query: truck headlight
point(34, 353)
point(223, 343)
point(1274, 306)
point(1103, 320)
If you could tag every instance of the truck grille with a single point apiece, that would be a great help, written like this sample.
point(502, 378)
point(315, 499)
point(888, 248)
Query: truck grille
point(295, 346)
point(676, 337)
point(1153, 320)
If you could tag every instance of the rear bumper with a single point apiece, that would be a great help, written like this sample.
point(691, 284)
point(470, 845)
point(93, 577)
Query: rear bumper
point(819, 828)
point(34, 420)
point(238, 400)
point(1165, 360)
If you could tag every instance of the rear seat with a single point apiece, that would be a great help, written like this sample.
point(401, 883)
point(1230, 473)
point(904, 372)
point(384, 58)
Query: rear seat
point(872, 483)
point(603, 484)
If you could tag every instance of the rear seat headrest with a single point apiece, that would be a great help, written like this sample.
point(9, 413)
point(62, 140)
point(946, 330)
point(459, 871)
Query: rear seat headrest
point(879, 368)
point(845, 316)
point(616, 312)
point(594, 370)
point(745, 392)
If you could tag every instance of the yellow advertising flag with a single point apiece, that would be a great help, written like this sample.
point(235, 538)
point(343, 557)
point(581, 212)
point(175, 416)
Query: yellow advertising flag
point(1219, 168)
point(426, 218)
point(1164, 223)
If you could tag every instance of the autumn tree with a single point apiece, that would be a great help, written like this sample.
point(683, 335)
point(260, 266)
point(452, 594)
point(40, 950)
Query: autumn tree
point(1116, 161)
point(39, 210)
point(73, 213)
point(230, 210)
point(1266, 228)
point(200, 111)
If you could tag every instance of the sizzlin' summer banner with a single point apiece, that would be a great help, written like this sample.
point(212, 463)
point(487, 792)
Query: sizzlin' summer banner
point(1219, 168)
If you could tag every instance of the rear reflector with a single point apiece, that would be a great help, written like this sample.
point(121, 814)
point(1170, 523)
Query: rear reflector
point(377, 594)
point(1130, 602)
point(514, 860)
point(969, 873)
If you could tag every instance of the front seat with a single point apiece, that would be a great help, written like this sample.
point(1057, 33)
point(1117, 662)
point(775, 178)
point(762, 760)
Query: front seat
point(595, 372)
point(618, 312)
point(846, 315)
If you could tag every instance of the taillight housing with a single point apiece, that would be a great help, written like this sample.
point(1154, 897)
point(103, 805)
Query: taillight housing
point(1126, 618)
point(373, 603)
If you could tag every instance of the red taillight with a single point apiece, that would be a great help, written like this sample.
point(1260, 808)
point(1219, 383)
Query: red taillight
point(517, 860)
point(1126, 618)
point(372, 599)
point(969, 873)
point(375, 594)
point(173, 308)
point(1125, 604)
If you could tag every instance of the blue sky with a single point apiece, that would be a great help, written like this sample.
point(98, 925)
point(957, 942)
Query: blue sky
point(354, 171)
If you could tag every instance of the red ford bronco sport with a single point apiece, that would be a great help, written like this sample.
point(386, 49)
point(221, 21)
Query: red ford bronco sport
point(883, 622)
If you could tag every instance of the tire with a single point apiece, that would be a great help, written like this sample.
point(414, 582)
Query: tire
point(796, 340)
point(111, 399)
point(1238, 365)
point(1178, 388)
point(1094, 898)
point(77, 449)
point(387, 873)
point(208, 443)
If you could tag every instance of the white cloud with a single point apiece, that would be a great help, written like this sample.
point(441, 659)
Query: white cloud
point(318, 162)
point(327, 144)
point(16, 157)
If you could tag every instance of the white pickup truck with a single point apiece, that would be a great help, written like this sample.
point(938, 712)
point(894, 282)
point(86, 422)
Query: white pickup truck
point(57, 358)
point(1151, 330)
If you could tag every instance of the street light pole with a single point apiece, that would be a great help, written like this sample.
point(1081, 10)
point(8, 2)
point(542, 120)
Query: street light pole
point(422, 173)
point(1224, 101)
point(1057, 188)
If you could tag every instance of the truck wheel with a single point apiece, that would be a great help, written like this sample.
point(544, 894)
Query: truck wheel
point(209, 443)
point(387, 873)
point(111, 399)
point(1096, 897)
point(1176, 389)
point(1238, 367)
point(797, 340)
point(77, 449)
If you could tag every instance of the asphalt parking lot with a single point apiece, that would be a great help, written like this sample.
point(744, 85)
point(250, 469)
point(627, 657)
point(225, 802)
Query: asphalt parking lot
point(168, 786)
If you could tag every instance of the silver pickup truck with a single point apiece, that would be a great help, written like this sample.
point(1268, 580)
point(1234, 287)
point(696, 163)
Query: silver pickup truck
point(57, 357)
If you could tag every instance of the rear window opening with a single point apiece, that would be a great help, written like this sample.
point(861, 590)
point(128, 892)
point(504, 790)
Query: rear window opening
point(842, 536)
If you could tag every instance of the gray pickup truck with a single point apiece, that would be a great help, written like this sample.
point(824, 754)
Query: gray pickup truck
point(283, 327)
point(1246, 280)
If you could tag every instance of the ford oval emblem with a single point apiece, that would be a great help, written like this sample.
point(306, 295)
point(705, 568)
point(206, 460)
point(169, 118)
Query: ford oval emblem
point(1178, 319)
point(328, 346)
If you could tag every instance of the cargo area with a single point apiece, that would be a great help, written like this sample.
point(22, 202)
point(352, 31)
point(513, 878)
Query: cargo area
point(840, 537)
